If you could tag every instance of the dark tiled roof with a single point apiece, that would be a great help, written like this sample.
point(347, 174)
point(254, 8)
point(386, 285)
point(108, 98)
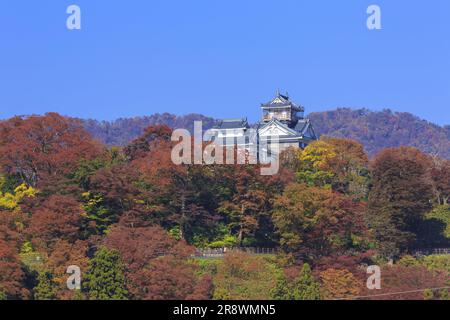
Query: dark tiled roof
point(301, 125)
point(305, 128)
point(233, 124)
point(284, 102)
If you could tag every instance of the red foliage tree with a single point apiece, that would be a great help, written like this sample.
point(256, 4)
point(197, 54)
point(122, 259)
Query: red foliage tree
point(150, 139)
point(248, 199)
point(400, 196)
point(63, 255)
point(57, 217)
point(157, 266)
point(11, 274)
point(42, 149)
point(408, 283)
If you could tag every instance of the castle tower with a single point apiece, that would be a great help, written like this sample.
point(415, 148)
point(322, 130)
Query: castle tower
point(282, 109)
point(281, 118)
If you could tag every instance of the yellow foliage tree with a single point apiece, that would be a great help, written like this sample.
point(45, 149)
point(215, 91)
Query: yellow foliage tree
point(313, 162)
point(10, 201)
point(339, 164)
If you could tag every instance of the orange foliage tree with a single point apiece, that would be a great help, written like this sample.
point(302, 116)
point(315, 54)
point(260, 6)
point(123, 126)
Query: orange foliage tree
point(340, 284)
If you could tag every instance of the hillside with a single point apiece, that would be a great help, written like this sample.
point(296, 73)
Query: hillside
point(137, 226)
point(384, 129)
point(375, 130)
point(123, 130)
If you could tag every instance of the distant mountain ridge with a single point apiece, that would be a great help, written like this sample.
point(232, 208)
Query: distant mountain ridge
point(376, 130)
point(123, 130)
point(384, 129)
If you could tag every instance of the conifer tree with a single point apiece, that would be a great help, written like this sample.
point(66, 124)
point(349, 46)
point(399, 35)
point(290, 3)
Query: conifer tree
point(444, 295)
point(306, 287)
point(105, 278)
point(46, 287)
point(282, 290)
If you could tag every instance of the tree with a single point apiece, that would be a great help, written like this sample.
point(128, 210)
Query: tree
point(11, 201)
point(178, 197)
point(340, 164)
point(282, 290)
point(313, 223)
point(150, 139)
point(349, 167)
point(340, 284)
point(46, 288)
point(302, 287)
point(313, 169)
point(105, 278)
point(12, 276)
point(247, 204)
point(244, 277)
point(203, 290)
point(157, 265)
point(399, 198)
point(441, 214)
point(173, 192)
point(444, 294)
point(440, 180)
point(41, 150)
point(113, 192)
point(414, 282)
point(62, 255)
point(306, 287)
point(165, 278)
point(435, 229)
point(86, 169)
point(57, 217)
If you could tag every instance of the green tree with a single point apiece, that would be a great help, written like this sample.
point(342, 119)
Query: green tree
point(244, 277)
point(46, 287)
point(428, 294)
point(306, 287)
point(105, 278)
point(444, 295)
point(442, 215)
point(282, 290)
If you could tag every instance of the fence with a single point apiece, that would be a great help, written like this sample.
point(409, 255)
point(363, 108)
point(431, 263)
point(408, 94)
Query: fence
point(220, 252)
point(429, 252)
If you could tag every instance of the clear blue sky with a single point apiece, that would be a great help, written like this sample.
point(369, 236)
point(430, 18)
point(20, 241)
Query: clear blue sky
point(223, 57)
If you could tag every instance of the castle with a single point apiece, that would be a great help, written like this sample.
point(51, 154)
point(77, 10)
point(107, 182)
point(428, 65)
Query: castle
point(281, 118)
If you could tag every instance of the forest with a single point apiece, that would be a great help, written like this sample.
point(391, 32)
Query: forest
point(133, 221)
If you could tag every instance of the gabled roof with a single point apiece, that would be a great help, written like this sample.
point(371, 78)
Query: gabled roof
point(279, 98)
point(233, 124)
point(283, 128)
point(280, 101)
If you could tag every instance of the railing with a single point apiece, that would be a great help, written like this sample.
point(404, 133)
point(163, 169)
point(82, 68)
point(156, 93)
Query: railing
point(220, 252)
point(429, 252)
